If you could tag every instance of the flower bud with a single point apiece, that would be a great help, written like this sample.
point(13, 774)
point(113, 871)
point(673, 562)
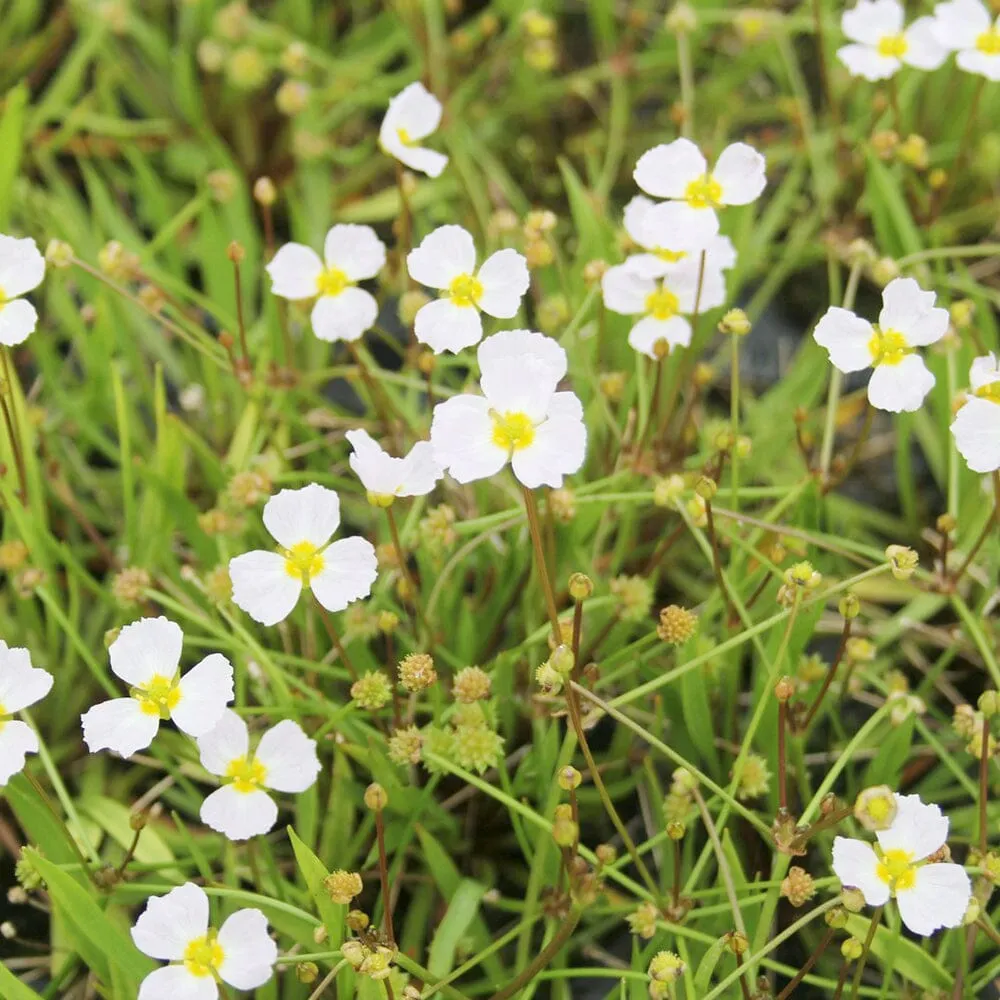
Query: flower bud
point(343, 886)
point(875, 808)
point(735, 322)
point(376, 798)
point(849, 606)
point(903, 561)
point(852, 949)
point(59, 253)
point(264, 191)
point(580, 586)
point(569, 778)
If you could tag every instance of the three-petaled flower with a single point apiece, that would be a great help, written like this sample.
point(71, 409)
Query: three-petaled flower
point(267, 585)
point(386, 477)
point(146, 655)
point(351, 253)
point(977, 424)
point(879, 45)
point(446, 260)
point(967, 28)
point(520, 418)
point(285, 761)
point(908, 320)
point(413, 114)
point(21, 685)
point(930, 894)
point(22, 268)
point(175, 928)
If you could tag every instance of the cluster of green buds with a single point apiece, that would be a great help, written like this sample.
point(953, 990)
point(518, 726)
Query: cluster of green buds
point(371, 959)
point(555, 671)
point(799, 580)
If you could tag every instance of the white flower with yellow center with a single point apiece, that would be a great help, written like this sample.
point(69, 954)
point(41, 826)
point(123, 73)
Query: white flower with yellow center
point(930, 895)
point(175, 928)
point(267, 585)
point(22, 268)
point(386, 477)
point(977, 424)
point(967, 28)
point(446, 260)
point(413, 114)
point(351, 253)
point(880, 46)
point(662, 302)
point(21, 685)
point(146, 655)
point(285, 761)
point(908, 320)
point(672, 235)
point(520, 418)
point(677, 171)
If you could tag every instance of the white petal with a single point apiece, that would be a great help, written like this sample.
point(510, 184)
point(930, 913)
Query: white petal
point(872, 20)
point(900, 388)
point(634, 220)
point(846, 337)
point(958, 23)
point(984, 371)
point(355, 250)
point(420, 471)
point(697, 289)
point(289, 756)
point(666, 170)
point(170, 922)
point(145, 648)
point(16, 740)
point(442, 256)
point(174, 982)
point(415, 109)
point(262, 587)
point(676, 226)
point(344, 316)
point(939, 898)
point(21, 684)
point(22, 266)
point(920, 828)
point(427, 161)
point(977, 434)
point(239, 815)
point(520, 371)
point(625, 289)
point(349, 570)
point(855, 863)
point(923, 50)
point(720, 253)
point(559, 446)
point(204, 690)
point(248, 952)
point(910, 310)
point(972, 61)
point(866, 62)
point(295, 271)
point(644, 336)
point(504, 277)
point(18, 320)
point(740, 171)
point(462, 439)
point(310, 514)
point(444, 326)
point(119, 725)
point(227, 740)
point(378, 472)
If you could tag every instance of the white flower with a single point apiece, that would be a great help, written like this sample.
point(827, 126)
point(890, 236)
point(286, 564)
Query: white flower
point(967, 28)
point(351, 253)
point(22, 268)
point(881, 46)
point(908, 320)
point(929, 895)
point(520, 418)
point(678, 171)
point(661, 301)
point(977, 424)
point(671, 234)
point(174, 928)
point(285, 761)
point(146, 656)
point(21, 685)
point(266, 585)
point(446, 259)
point(412, 115)
point(386, 477)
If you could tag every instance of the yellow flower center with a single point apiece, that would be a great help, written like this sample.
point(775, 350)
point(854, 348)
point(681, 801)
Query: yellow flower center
point(203, 955)
point(989, 42)
point(303, 561)
point(990, 391)
point(892, 46)
point(158, 697)
point(888, 347)
point(4, 716)
point(380, 499)
point(331, 281)
point(512, 431)
point(897, 870)
point(671, 256)
point(662, 304)
point(3, 296)
point(705, 192)
point(404, 137)
point(465, 290)
point(246, 774)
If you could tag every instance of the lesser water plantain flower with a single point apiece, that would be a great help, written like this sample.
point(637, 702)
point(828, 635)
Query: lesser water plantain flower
point(284, 761)
point(146, 655)
point(22, 268)
point(669, 233)
point(386, 477)
point(413, 114)
point(879, 44)
point(977, 424)
point(967, 28)
point(21, 685)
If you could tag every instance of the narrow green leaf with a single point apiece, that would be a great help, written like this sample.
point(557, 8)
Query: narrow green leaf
point(461, 912)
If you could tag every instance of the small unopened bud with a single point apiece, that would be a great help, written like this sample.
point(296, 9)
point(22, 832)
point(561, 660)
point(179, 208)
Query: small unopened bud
point(884, 270)
point(59, 253)
point(904, 561)
point(849, 606)
point(962, 313)
point(569, 778)
point(989, 703)
point(946, 524)
point(737, 943)
point(357, 920)
point(306, 972)
point(706, 487)
point(836, 918)
point(376, 798)
point(875, 808)
point(681, 20)
point(343, 886)
point(264, 191)
point(676, 830)
point(580, 586)
point(8, 930)
point(137, 820)
point(565, 832)
point(606, 854)
point(852, 949)
point(784, 689)
point(235, 252)
point(735, 321)
point(562, 660)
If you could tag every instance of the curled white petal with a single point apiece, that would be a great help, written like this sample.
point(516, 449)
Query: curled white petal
point(740, 172)
point(444, 326)
point(239, 815)
point(344, 316)
point(21, 684)
point(855, 864)
point(938, 898)
point(462, 439)
point(977, 434)
point(226, 741)
point(262, 586)
point(145, 648)
point(204, 691)
point(666, 170)
point(846, 337)
point(295, 271)
point(504, 277)
point(248, 951)
point(919, 828)
point(22, 266)
point(119, 725)
point(900, 388)
point(558, 448)
point(443, 255)
point(310, 514)
point(169, 922)
point(174, 982)
point(17, 739)
point(289, 757)
point(349, 570)
point(18, 320)
point(355, 250)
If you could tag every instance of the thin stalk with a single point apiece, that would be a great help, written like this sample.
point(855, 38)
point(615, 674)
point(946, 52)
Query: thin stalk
point(12, 420)
point(963, 150)
point(654, 402)
point(404, 566)
point(331, 631)
point(984, 534)
point(405, 227)
point(734, 421)
point(531, 508)
point(717, 563)
point(855, 454)
point(830, 674)
point(664, 547)
point(542, 959)
point(130, 853)
point(782, 761)
point(808, 964)
point(860, 970)
point(236, 255)
point(984, 785)
point(383, 874)
point(327, 980)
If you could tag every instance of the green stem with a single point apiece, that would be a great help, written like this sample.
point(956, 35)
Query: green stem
point(869, 937)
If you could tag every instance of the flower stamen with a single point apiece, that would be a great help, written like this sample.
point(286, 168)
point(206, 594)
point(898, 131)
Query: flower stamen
point(662, 304)
point(888, 347)
point(512, 431)
point(897, 870)
point(892, 46)
point(465, 290)
point(331, 281)
point(246, 774)
point(157, 697)
point(704, 192)
point(203, 955)
point(303, 561)
point(989, 42)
